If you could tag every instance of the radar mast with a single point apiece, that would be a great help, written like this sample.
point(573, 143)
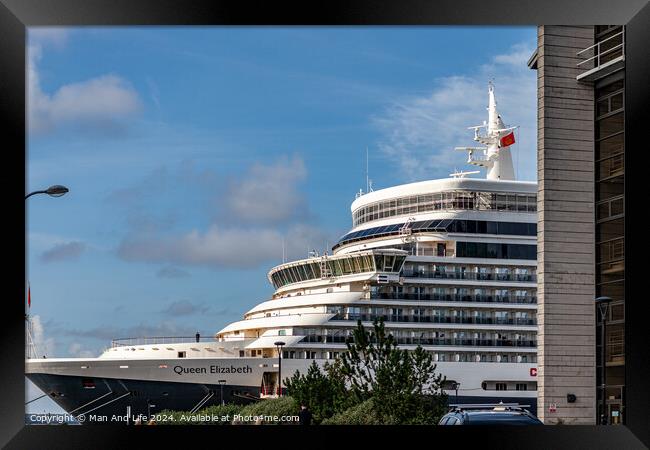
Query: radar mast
point(498, 138)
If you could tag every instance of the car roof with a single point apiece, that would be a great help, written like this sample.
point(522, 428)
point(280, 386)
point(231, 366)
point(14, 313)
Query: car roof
point(522, 417)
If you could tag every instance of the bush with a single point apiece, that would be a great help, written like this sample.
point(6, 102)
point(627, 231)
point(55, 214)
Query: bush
point(364, 413)
point(201, 417)
point(261, 412)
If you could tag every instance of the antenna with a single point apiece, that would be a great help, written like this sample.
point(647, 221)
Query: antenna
point(367, 172)
point(283, 256)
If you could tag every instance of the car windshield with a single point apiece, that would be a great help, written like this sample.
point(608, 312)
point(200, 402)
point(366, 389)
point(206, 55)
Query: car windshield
point(490, 418)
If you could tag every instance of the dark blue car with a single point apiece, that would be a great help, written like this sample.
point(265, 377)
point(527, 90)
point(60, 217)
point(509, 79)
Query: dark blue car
point(489, 414)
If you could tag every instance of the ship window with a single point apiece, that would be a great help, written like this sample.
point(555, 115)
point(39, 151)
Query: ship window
point(522, 387)
point(501, 387)
point(242, 353)
point(87, 383)
point(181, 354)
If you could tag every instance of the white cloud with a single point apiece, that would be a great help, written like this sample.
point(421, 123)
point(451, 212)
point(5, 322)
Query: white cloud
point(268, 193)
point(106, 333)
point(43, 345)
point(172, 272)
point(184, 308)
point(78, 351)
point(225, 247)
point(253, 215)
point(101, 102)
point(69, 251)
point(56, 37)
point(420, 133)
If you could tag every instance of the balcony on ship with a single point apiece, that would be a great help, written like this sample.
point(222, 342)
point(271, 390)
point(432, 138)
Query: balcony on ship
point(523, 299)
point(527, 278)
point(432, 315)
point(524, 343)
point(416, 269)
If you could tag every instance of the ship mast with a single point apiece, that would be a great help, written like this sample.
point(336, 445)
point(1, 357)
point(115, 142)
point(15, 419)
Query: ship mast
point(498, 138)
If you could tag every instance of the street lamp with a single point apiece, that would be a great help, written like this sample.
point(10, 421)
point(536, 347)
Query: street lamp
point(603, 304)
point(53, 191)
point(455, 386)
point(221, 383)
point(279, 345)
point(149, 406)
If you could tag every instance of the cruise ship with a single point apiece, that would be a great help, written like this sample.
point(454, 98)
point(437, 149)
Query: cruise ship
point(449, 264)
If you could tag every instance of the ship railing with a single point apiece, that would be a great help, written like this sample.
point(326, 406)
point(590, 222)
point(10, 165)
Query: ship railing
point(526, 300)
point(523, 277)
point(148, 340)
point(437, 319)
point(320, 339)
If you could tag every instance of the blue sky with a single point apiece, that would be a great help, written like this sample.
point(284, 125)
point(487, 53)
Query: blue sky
point(191, 154)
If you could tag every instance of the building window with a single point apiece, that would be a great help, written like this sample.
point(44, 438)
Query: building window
point(609, 120)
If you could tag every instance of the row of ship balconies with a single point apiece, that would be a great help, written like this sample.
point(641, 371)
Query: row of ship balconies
point(478, 276)
point(526, 300)
point(402, 340)
point(428, 318)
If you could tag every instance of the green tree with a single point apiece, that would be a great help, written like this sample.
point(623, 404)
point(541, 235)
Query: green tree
point(403, 384)
point(323, 392)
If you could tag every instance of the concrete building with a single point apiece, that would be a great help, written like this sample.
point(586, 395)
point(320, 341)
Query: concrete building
point(581, 78)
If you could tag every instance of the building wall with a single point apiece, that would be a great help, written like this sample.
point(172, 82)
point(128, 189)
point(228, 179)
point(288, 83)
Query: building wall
point(566, 249)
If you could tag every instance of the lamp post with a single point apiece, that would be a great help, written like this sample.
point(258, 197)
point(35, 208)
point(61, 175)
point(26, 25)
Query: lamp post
point(221, 383)
point(53, 191)
point(456, 385)
point(279, 345)
point(603, 305)
point(149, 406)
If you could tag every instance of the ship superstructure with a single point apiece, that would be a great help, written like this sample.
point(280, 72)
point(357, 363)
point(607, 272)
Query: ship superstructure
point(448, 264)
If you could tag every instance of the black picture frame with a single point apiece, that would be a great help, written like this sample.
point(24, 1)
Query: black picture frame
point(16, 15)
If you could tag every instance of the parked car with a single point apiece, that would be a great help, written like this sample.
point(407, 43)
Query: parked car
point(489, 414)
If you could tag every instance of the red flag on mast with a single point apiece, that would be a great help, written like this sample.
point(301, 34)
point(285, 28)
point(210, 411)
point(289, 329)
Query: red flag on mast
point(507, 140)
point(29, 295)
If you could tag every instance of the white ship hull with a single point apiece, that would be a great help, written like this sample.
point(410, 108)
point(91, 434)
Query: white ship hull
point(101, 388)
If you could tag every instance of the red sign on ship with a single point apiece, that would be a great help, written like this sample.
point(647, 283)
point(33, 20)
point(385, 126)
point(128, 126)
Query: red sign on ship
point(533, 371)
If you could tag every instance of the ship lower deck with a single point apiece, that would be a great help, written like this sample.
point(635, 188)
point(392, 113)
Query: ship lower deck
point(111, 399)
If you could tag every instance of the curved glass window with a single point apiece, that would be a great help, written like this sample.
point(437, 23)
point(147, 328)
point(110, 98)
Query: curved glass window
point(337, 266)
point(444, 225)
point(441, 201)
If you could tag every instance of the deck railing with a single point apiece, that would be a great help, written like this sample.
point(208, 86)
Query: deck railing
point(452, 275)
point(526, 300)
point(149, 340)
point(604, 53)
point(341, 339)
